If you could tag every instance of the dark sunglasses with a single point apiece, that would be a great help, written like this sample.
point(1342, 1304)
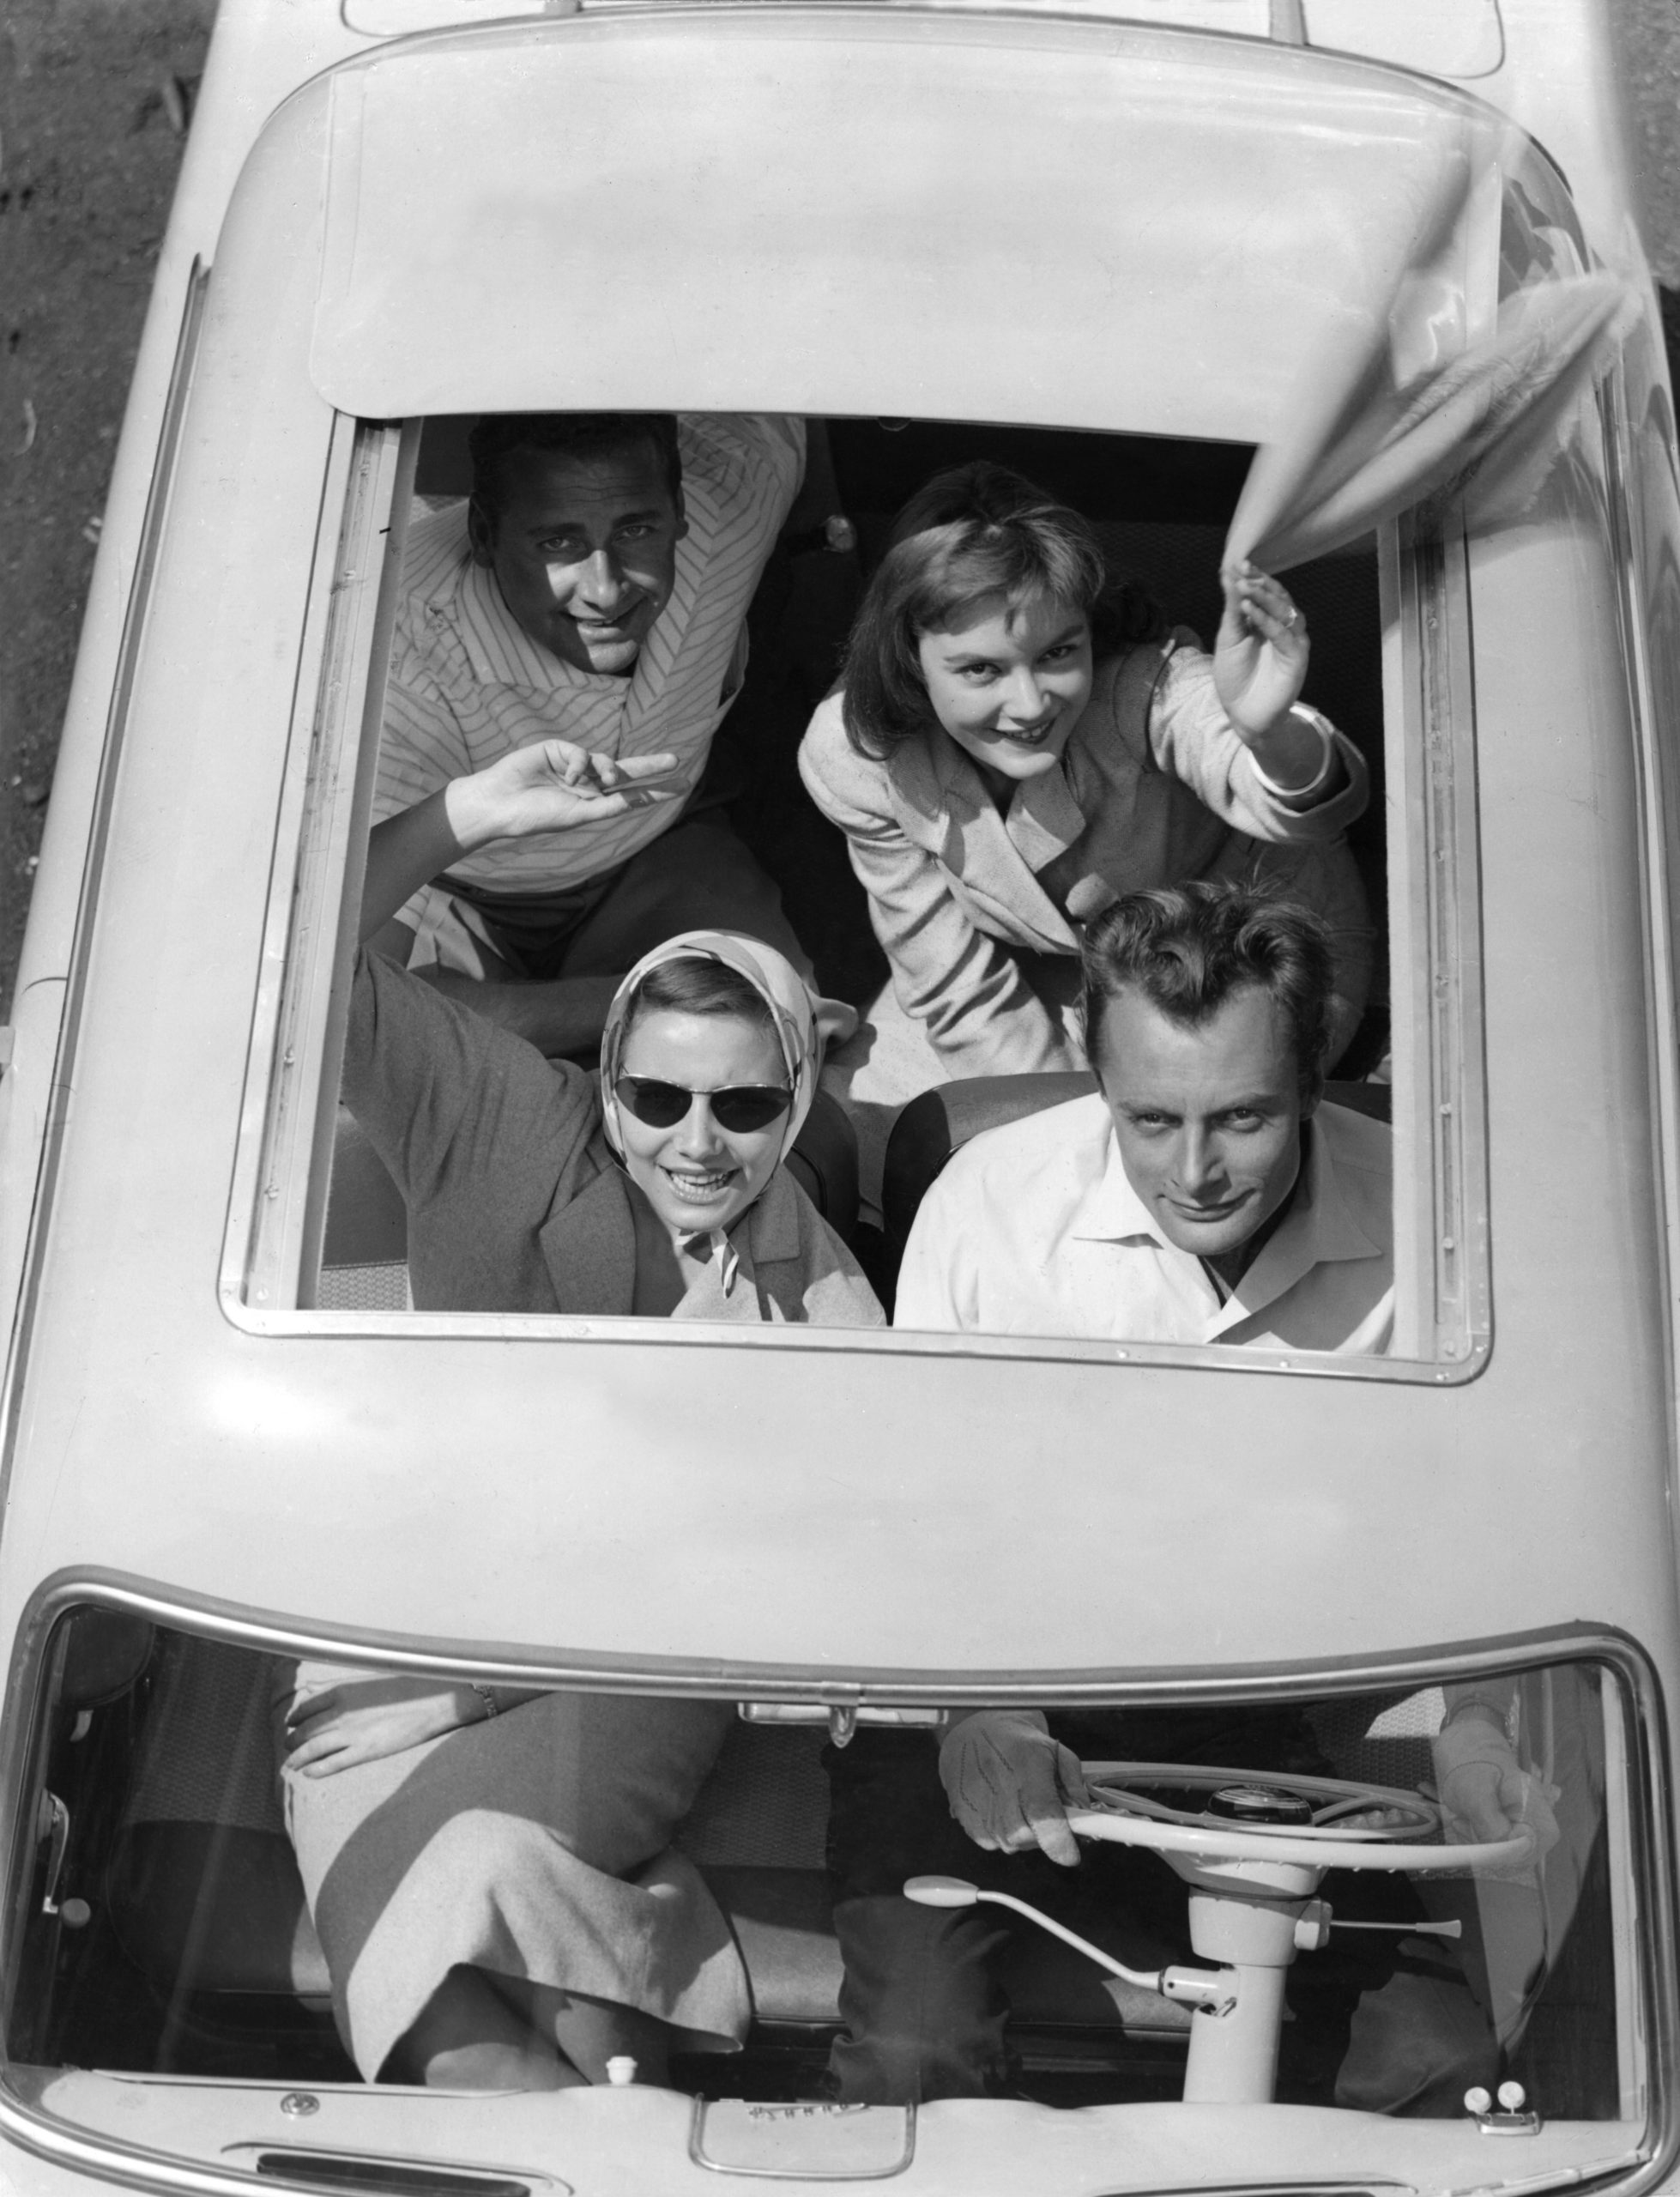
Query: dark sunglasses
point(738, 1106)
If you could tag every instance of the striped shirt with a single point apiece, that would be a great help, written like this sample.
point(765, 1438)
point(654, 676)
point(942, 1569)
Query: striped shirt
point(469, 684)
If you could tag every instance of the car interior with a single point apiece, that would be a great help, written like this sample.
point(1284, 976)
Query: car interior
point(1161, 509)
point(165, 1928)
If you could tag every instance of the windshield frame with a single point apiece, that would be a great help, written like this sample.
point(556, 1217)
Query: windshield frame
point(1650, 1919)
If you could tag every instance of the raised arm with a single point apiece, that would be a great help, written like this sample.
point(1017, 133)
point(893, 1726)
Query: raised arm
point(1260, 668)
point(547, 787)
point(1192, 737)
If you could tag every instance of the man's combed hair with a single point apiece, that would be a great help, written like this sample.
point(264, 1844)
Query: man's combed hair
point(585, 435)
point(1186, 948)
point(974, 536)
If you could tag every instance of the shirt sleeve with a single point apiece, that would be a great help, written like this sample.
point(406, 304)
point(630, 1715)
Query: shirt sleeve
point(779, 438)
point(1191, 737)
point(966, 987)
point(421, 745)
point(939, 1279)
point(753, 462)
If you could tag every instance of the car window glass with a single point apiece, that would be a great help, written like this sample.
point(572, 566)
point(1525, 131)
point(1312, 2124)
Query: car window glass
point(164, 1878)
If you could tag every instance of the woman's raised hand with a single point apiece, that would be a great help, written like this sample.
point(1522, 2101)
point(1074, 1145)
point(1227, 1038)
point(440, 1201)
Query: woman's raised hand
point(1259, 659)
point(359, 1720)
point(550, 787)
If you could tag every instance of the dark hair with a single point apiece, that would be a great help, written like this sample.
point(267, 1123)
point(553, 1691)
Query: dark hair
point(969, 536)
point(1188, 948)
point(583, 435)
point(699, 987)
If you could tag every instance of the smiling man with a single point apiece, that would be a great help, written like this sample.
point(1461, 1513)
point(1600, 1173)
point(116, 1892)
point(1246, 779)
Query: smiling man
point(595, 589)
point(1204, 1195)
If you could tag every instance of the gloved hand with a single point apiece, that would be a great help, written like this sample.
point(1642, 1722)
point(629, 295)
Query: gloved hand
point(1485, 1793)
point(1010, 1783)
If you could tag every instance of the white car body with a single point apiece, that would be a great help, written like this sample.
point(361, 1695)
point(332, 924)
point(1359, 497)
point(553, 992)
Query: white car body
point(413, 209)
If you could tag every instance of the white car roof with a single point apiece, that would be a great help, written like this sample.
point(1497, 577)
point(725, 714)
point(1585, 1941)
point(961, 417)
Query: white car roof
point(498, 236)
point(1459, 38)
point(1174, 1519)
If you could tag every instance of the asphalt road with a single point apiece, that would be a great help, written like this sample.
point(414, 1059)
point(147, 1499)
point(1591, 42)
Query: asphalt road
point(95, 97)
point(1650, 29)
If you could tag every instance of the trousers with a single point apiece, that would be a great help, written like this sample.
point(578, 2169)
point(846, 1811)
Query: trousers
point(696, 876)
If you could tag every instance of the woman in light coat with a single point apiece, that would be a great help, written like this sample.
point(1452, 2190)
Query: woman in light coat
point(1015, 744)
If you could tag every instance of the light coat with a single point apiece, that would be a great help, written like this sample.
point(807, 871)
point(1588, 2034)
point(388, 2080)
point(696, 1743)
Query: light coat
point(1154, 788)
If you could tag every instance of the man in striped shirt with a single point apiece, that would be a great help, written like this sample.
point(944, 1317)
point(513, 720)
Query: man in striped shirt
point(595, 589)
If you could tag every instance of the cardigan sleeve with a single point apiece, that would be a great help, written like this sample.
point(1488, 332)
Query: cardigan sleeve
point(436, 1088)
point(982, 1015)
point(1191, 737)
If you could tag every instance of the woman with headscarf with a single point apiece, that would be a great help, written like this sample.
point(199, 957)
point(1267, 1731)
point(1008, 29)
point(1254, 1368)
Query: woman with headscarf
point(490, 1868)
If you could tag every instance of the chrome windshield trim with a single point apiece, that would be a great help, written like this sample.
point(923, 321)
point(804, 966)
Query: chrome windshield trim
point(493, 1662)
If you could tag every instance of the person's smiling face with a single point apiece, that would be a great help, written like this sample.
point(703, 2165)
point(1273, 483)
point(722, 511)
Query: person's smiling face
point(584, 550)
point(1207, 1116)
point(1009, 687)
point(696, 1174)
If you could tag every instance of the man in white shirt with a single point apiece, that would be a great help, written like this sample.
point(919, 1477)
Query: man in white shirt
point(595, 589)
point(1204, 1195)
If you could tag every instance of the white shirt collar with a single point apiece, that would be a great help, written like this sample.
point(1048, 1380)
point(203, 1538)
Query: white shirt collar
point(1319, 1228)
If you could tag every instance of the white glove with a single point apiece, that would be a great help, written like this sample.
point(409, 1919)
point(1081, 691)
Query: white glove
point(1485, 1792)
point(1010, 1785)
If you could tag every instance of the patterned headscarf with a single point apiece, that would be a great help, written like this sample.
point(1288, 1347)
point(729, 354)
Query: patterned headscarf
point(777, 982)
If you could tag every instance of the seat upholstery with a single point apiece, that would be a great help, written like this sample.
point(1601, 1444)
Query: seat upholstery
point(938, 1123)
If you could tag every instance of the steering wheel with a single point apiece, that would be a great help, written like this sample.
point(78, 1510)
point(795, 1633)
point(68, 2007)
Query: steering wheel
point(1332, 1836)
point(1253, 1858)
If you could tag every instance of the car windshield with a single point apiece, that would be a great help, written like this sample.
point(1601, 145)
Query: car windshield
point(197, 1801)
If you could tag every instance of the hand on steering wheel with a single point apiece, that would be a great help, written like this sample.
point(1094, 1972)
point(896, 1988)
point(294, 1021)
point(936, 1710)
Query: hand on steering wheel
point(1485, 1792)
point(1010, 1784)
